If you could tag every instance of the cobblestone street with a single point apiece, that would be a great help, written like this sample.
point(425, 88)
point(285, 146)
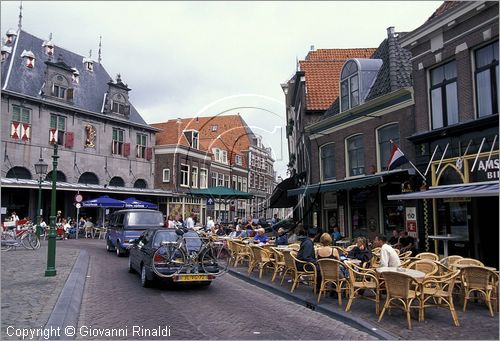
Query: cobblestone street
point(28, 297)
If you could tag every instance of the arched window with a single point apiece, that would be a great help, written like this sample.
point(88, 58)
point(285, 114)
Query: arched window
point(385, 134)
point(88, 178)
point(349, 86)
point(117, 182)
point(327, 161)
point(18, 173)
point(140, 183)
point(61, 88)
point(59, 176)
point(355, 155)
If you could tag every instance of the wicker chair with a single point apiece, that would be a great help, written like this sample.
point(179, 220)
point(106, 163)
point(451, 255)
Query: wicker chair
point(278, 262)
point(261, 259)
point(440, 289)
point(428, 267)
point(479, 279)
point(399, 287)
point(468, 261)
point(294, 246)
point(340, 250)
point(362, 279)
point(376, 250)
point(405, 255)
point(243, 253)
point(450, 260)
point(427, 255)
point(231, 247)
point(291, 267)
point(330, 273)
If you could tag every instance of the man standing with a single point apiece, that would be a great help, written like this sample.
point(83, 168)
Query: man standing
point(388, 257)
point(210, 223)
point(190, 222)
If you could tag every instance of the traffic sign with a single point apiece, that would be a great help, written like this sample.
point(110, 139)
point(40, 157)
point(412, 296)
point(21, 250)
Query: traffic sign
point(78, 205)
point(210, 202)
point(78, 198)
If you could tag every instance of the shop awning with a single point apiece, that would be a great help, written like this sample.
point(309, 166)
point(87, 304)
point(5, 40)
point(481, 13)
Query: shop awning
point(68, 186)
point(279, 198)
point(365, 181)
point(220, 192)
point(478, 189)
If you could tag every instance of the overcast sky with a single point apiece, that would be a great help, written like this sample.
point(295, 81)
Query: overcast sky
point(183, 59)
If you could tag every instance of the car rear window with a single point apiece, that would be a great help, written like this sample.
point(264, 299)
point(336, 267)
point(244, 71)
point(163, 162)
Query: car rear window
point(164, 236)
point(145, 219)
point(193, 241)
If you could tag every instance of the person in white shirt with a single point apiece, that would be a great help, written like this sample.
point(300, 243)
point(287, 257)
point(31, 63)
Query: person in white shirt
point(388, 257)
point(210, 224)
point(190, 222)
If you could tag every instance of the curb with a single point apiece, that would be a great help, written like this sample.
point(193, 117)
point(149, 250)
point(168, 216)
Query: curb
point(67, 309)
point(347, 318)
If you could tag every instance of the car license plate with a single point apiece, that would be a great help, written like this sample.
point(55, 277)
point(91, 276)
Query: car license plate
point(187, 278)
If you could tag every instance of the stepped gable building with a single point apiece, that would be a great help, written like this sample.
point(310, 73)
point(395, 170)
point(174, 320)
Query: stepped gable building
point(51, 95)
point(308, 94)
point(455, 80)
point(205, 152)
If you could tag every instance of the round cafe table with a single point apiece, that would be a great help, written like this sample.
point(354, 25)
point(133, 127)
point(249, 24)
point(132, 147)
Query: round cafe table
point(418, 275)
point(445, 238)
point(343, 243)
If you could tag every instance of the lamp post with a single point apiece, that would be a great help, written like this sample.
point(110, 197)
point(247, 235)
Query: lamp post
point(41, 170)
point(51, 252)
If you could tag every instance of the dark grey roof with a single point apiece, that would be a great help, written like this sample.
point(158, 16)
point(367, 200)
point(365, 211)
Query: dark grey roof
point(88, 94)
point(394, 74)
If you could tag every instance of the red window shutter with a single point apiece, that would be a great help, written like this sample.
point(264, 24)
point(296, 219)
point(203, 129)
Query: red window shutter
point(149, 153)
point(126, 149)
point(69, 140)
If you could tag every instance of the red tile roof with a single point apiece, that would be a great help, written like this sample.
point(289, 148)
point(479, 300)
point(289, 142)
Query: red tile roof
point(445, 7)
point(322, 72)
point(235, 136)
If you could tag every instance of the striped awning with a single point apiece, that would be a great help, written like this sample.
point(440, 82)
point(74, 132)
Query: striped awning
point(476, 189)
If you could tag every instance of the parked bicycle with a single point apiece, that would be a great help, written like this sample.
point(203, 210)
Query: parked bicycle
point(25, 237)
point(191, 254)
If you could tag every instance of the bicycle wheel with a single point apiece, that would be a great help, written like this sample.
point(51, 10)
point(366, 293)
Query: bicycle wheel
point(25, 241)
point(168, 260)
point(34, 241)
point(7, 241)
point(215, 259)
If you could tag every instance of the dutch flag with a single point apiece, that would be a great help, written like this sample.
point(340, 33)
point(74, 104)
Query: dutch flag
point(397, 157)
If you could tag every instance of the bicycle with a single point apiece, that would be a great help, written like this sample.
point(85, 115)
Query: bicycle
point(191, 255)
point(25, 237)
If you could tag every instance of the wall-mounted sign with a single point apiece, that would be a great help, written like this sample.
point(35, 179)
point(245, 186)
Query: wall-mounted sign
point(485, 170)
point(411, 221)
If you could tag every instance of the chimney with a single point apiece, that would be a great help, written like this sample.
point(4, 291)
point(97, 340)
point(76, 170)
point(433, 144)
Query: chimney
point(312, 47)
point(390, 31)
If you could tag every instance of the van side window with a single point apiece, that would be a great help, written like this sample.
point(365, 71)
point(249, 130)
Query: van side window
point(119, 220)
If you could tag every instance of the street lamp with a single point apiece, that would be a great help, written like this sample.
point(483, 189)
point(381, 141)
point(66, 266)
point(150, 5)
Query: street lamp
point(51, 252)
point(40, 170)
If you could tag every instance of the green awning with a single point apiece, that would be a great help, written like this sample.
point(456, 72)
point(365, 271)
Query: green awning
point(220, 192)
point(365, 181)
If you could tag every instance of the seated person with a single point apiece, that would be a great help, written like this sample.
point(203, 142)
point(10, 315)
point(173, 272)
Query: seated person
point(336, 234)
point(260, 237)
point(395, 238)
point(282, 238)
point(326, 250)
point(361, 250)
point(219, 231)
point(297, 232)
point(407, 243)
point(388, 257)
point(306, 254)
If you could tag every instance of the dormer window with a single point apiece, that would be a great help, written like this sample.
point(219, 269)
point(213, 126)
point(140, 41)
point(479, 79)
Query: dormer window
point(10, 36)
point(75, 78)
point(88, 64)
point(49, 47)
point(193, 138)
point(215, 127)
point(119, 105)
point(60, 88)
point(6, 51)
point(29, 59)
point(349, 86)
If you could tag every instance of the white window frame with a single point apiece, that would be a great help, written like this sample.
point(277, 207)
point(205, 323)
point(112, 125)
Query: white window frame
point(166, 175)
point(348, 79)
point(244, 185)
point(184, 173)
point(194, 177)
point(238, 160)
point(322, 176)
point(203, 178)
point(220, 180)
point(347, 161)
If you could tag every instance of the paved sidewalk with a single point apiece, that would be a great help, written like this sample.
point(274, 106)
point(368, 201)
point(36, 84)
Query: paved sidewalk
point(28, 297)
point(475, 323)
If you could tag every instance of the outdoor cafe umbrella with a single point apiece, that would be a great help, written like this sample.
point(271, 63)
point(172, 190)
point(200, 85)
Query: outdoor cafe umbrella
point(136, 203)
point(104, 202)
